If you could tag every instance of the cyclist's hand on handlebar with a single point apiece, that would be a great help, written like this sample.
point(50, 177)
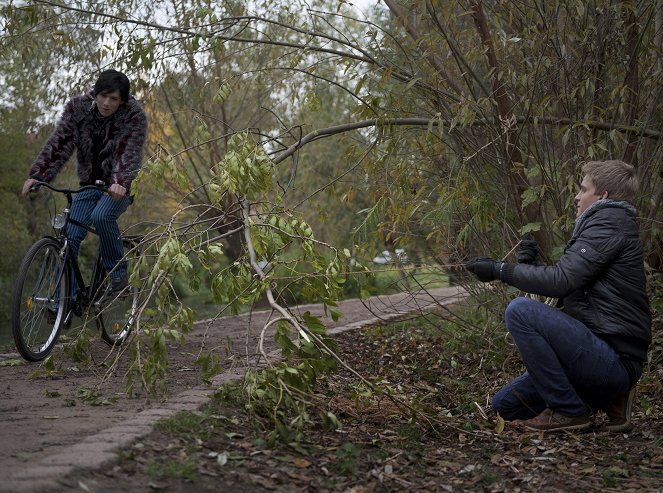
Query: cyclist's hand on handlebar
point(117, 191)
point(27, 186)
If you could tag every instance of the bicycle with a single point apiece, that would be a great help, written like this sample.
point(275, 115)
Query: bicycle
point(42, 303)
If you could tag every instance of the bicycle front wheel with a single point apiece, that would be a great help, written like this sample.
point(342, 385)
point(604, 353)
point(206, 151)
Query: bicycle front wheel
point(116, 313)
point(41, 301)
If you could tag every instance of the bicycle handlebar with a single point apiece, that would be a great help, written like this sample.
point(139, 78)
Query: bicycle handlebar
point(38, 184)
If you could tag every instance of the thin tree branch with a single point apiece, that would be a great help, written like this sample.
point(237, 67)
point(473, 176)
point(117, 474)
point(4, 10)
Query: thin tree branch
point(425, 122)
point(401, 14)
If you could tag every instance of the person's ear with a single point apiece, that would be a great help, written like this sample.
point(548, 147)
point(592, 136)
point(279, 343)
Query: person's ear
point(604, 195)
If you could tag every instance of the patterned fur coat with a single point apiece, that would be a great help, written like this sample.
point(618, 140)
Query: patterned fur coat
point(121, 155)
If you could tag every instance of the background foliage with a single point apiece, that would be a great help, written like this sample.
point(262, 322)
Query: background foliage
point(448, 129)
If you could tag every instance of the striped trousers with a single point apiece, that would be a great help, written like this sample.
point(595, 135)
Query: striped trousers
point(94, 207)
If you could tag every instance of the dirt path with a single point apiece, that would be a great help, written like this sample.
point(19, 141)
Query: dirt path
point(48, 428)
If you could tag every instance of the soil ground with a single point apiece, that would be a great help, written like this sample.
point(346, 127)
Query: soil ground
point(382, 447)
point(457, 445)
point(47, 409)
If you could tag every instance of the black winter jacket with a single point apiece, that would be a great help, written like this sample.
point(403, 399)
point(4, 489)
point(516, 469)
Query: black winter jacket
point(600, 279)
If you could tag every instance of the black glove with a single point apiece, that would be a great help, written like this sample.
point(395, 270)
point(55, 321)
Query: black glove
point(486, 269)
point(528, 251)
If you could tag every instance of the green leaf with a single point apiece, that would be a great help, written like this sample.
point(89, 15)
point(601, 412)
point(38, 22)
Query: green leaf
point(530, 196)
point(530, 227)
point(314, 323)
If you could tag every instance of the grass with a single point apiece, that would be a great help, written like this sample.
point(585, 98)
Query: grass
point(204, 430)
point(347, 458)
point(199, 425)
point(173, 468)
point(386, 279)
point(6, 338)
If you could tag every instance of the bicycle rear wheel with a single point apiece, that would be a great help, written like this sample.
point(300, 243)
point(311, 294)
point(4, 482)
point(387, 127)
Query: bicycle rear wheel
point(41, 301)
point(116, 314)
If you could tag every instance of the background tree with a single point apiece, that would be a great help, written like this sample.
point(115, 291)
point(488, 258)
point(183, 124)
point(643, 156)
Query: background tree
point(32, 87)
point(525, 91)
point(468, 119)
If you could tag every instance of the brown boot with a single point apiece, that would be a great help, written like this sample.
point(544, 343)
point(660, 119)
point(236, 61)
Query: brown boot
point(550, 420)
point(619, 412)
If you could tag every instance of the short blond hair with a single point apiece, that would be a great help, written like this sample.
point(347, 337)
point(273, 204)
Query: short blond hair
point(616, 177)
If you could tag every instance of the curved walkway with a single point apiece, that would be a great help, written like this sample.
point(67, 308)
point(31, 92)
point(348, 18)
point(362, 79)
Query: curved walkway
point(47, 432)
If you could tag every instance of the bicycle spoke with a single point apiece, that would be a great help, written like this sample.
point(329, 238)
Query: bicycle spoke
point(116, 315)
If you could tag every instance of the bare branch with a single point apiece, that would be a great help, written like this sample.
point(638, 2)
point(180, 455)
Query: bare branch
point(425, 122)
point(414, 33)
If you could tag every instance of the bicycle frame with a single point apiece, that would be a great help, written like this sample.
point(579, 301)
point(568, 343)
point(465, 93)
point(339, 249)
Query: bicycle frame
point(86, 293)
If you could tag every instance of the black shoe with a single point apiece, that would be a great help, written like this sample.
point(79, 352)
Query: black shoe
point(77, 309)
point(52, 316)
point(118, 286)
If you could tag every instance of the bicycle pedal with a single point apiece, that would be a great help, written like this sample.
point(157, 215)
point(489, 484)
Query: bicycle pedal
point(120, 295)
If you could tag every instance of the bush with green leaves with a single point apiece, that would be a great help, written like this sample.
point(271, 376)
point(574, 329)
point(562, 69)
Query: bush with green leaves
point(298, 263)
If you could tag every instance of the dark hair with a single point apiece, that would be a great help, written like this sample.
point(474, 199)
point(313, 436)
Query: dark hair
point(112, 80)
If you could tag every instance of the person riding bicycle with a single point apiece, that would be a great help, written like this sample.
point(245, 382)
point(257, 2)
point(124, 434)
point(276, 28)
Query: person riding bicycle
point(107, 127)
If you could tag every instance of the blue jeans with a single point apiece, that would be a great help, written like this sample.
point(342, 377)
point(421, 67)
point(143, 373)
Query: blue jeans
point(95, 207)
point(569, 369)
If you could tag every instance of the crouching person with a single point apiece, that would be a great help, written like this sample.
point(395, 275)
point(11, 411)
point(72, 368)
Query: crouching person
point(589, 355)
